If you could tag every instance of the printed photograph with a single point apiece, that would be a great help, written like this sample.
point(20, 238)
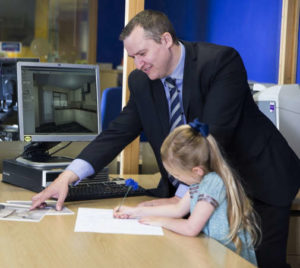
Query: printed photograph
point(50, 207)
point(11, 212)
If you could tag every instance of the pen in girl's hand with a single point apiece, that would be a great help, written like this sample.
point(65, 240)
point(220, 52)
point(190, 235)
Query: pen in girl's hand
point(131, 185)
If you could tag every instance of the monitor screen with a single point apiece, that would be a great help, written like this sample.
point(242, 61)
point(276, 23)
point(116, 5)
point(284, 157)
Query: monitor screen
point(58, 102)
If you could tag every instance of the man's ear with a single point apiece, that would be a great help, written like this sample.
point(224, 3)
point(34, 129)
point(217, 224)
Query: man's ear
point(198, 171)
point(167, 39)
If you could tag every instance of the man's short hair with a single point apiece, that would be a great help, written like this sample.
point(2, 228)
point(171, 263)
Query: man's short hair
point(154, 23)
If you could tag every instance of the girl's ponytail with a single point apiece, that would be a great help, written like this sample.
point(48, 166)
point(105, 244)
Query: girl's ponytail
point(240, 212)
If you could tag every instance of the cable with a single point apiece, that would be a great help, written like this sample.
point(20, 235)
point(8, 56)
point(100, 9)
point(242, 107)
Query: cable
point(61, 148)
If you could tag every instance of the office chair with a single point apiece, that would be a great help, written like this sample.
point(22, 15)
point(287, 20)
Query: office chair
point(111, 106)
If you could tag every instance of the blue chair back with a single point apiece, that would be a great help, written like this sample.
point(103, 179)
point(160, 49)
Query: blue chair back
point(111, 105)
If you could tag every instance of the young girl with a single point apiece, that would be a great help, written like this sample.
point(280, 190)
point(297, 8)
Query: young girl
point(216, 201)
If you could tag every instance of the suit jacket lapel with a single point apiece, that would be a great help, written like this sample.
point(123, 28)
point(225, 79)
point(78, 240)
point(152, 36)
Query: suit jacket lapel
point(191, 94)
point(161, 105)
point(191, 89)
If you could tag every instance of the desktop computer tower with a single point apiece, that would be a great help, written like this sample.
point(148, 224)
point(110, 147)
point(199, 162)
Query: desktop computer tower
point(28, 177)
point(37, 178)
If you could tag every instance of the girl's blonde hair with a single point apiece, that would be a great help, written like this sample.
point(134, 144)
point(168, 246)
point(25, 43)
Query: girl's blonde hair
point(186, 148)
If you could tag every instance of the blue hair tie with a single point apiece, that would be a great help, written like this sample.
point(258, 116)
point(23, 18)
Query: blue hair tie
point(200, 127)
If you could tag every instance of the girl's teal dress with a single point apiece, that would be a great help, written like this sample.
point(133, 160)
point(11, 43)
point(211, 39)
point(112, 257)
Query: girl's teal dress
point(212, 189)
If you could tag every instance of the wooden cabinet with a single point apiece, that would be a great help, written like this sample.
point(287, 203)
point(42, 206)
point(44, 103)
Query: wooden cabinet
point(109, 78)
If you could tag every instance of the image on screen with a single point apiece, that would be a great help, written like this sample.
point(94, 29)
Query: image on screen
point(58, 102)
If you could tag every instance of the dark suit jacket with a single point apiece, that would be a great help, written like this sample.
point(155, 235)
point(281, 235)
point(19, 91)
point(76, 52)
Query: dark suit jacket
point(215, 90)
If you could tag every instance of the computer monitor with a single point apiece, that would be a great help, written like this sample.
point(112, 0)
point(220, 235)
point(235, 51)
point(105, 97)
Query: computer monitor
point(57, 102)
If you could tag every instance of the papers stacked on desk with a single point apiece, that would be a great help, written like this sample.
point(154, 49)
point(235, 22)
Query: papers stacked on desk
point(15, 210)
point(11, 212)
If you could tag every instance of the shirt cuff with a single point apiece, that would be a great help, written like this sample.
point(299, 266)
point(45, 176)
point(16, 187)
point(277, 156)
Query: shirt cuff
point(181, 190)
point(81, 168)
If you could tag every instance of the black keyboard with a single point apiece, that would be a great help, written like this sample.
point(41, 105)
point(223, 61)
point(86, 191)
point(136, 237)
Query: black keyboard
point(100, 190)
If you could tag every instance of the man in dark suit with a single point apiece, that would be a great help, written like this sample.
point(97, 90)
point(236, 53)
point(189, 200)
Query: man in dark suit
point(212, 85)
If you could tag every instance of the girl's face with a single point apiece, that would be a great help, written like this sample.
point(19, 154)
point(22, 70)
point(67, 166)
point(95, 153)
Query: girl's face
point(187, 177)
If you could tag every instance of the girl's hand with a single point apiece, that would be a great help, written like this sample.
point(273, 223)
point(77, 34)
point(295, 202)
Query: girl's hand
point(155, 221)
point(125, 212)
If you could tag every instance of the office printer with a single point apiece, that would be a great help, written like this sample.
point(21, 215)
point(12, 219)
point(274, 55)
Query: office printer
point(281, 104)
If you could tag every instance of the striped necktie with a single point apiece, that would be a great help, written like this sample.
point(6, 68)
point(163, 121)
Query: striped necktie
point(176, 118)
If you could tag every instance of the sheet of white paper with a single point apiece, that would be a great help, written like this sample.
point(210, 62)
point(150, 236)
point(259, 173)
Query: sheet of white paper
point(102, 221)
point(51, 207)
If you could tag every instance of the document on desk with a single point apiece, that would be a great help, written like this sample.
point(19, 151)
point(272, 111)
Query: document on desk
point(12, 212)
point(50, 207)
point(102, 221)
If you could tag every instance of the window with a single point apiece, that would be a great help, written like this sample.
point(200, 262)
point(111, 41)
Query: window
point(60, 100)
point(52, 30)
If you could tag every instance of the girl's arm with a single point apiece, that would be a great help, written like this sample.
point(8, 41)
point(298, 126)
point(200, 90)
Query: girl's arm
point(176, 210)
point(160, 201)
point(191, 226)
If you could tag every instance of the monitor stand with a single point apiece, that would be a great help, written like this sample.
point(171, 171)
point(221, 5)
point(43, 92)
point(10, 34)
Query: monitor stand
point(36, 155)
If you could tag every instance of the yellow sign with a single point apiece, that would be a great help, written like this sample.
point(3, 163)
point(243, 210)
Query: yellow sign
point(27, 138)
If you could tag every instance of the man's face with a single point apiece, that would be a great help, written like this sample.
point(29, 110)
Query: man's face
point(152, 58)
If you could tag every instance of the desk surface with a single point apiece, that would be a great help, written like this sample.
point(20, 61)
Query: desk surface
point(296, 203)
point(53, 242)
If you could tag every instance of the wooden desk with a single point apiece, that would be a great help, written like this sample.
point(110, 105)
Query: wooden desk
point(53, 242)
